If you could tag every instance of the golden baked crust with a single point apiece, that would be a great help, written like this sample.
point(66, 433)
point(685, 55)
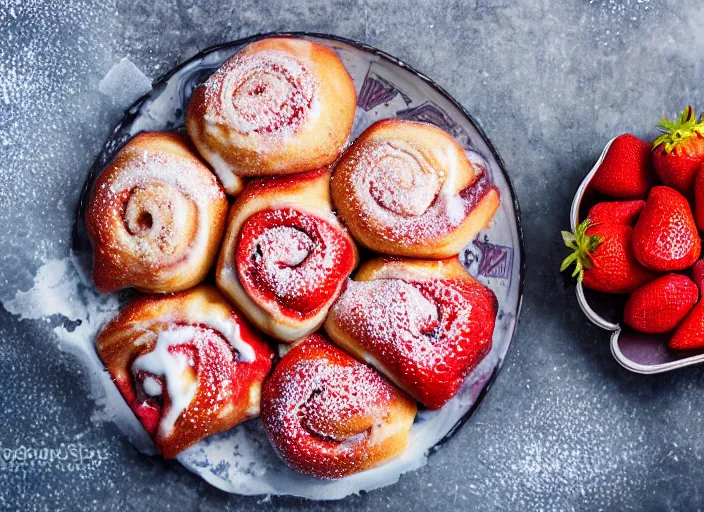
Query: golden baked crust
point(155, 217)
point(407, 189)
point(278, 106)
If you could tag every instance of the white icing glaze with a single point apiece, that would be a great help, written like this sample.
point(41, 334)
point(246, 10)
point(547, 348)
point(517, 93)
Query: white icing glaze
point(199, 313)
point(229, 180)
point(230, 330)
point(161, 361)
point(454, 205)
point(151, 386)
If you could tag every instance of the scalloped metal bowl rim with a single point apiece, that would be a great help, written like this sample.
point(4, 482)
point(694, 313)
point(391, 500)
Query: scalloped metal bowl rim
point(598, 320)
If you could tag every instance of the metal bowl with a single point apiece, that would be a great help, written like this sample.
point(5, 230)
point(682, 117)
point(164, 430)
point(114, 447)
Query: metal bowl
point(635, 351)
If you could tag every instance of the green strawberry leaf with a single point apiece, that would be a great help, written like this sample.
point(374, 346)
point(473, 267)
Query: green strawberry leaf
point(582, 246)
point(675, 132)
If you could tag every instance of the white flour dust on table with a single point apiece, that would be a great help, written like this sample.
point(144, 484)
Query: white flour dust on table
point(242, 460)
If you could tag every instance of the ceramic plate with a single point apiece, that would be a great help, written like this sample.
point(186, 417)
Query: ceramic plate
point(242, 460)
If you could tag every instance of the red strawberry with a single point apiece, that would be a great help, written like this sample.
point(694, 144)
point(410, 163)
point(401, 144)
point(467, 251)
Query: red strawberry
point(616, 212)
point(660, 305)
point(665, 237)
point(679, 151)
point(699, 198)
point(690, 334)
point(698, 274)
point(604, 259)
point(627, 170)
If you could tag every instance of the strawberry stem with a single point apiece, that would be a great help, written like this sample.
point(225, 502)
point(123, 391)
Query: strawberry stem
point(677, 131)
point(582, 246)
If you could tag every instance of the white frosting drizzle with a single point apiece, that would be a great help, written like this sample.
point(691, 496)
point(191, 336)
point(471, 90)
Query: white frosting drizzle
point(151, 386)
point(161, 361)
point(230, 330)
point(229, 180)
point(199, 313)
point(454, 205)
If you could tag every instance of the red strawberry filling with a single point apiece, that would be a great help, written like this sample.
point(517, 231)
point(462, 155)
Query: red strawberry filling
point(291, 259)
point(428, 334)
point(210, 362)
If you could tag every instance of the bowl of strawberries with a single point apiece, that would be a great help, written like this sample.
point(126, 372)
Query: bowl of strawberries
point(636, 245)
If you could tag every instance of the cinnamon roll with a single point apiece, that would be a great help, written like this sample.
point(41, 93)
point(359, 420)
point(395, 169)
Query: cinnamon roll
point(285, 256)
point(155, 217)
point(278, 106)
point(407, 189)
point(329, 416)
point(188, 365)
point(424, 324)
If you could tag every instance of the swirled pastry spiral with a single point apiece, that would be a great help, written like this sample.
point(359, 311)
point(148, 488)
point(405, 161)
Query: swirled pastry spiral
point(188, 365)
point(155, 217)
point(329, 415)
point(278, 106)
point(407, 189)
point(285, 256)
point(424, 324)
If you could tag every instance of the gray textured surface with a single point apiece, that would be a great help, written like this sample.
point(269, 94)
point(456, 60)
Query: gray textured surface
point(551, 80)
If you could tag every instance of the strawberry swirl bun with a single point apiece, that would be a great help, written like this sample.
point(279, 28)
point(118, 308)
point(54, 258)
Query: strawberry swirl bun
point(329, 416)
point(188, 365)
point(407, 189)
point(285, 256)
point(424, 324)
point(278, 106)
point(155, 217)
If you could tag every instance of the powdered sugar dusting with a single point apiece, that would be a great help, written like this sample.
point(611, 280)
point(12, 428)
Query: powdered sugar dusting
point(124, 83)
point(550, 446)
point(166, 190)
point(426, 335)
point(207, 389)
point(269, 93)
point(241, 460)
point(393, 312)
point(283, 250)
point(257, 99)
point(401, 182)
point(293, 259)
point(327, 414)
point(402, 196)
point(59, 291)
point(318, 395)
